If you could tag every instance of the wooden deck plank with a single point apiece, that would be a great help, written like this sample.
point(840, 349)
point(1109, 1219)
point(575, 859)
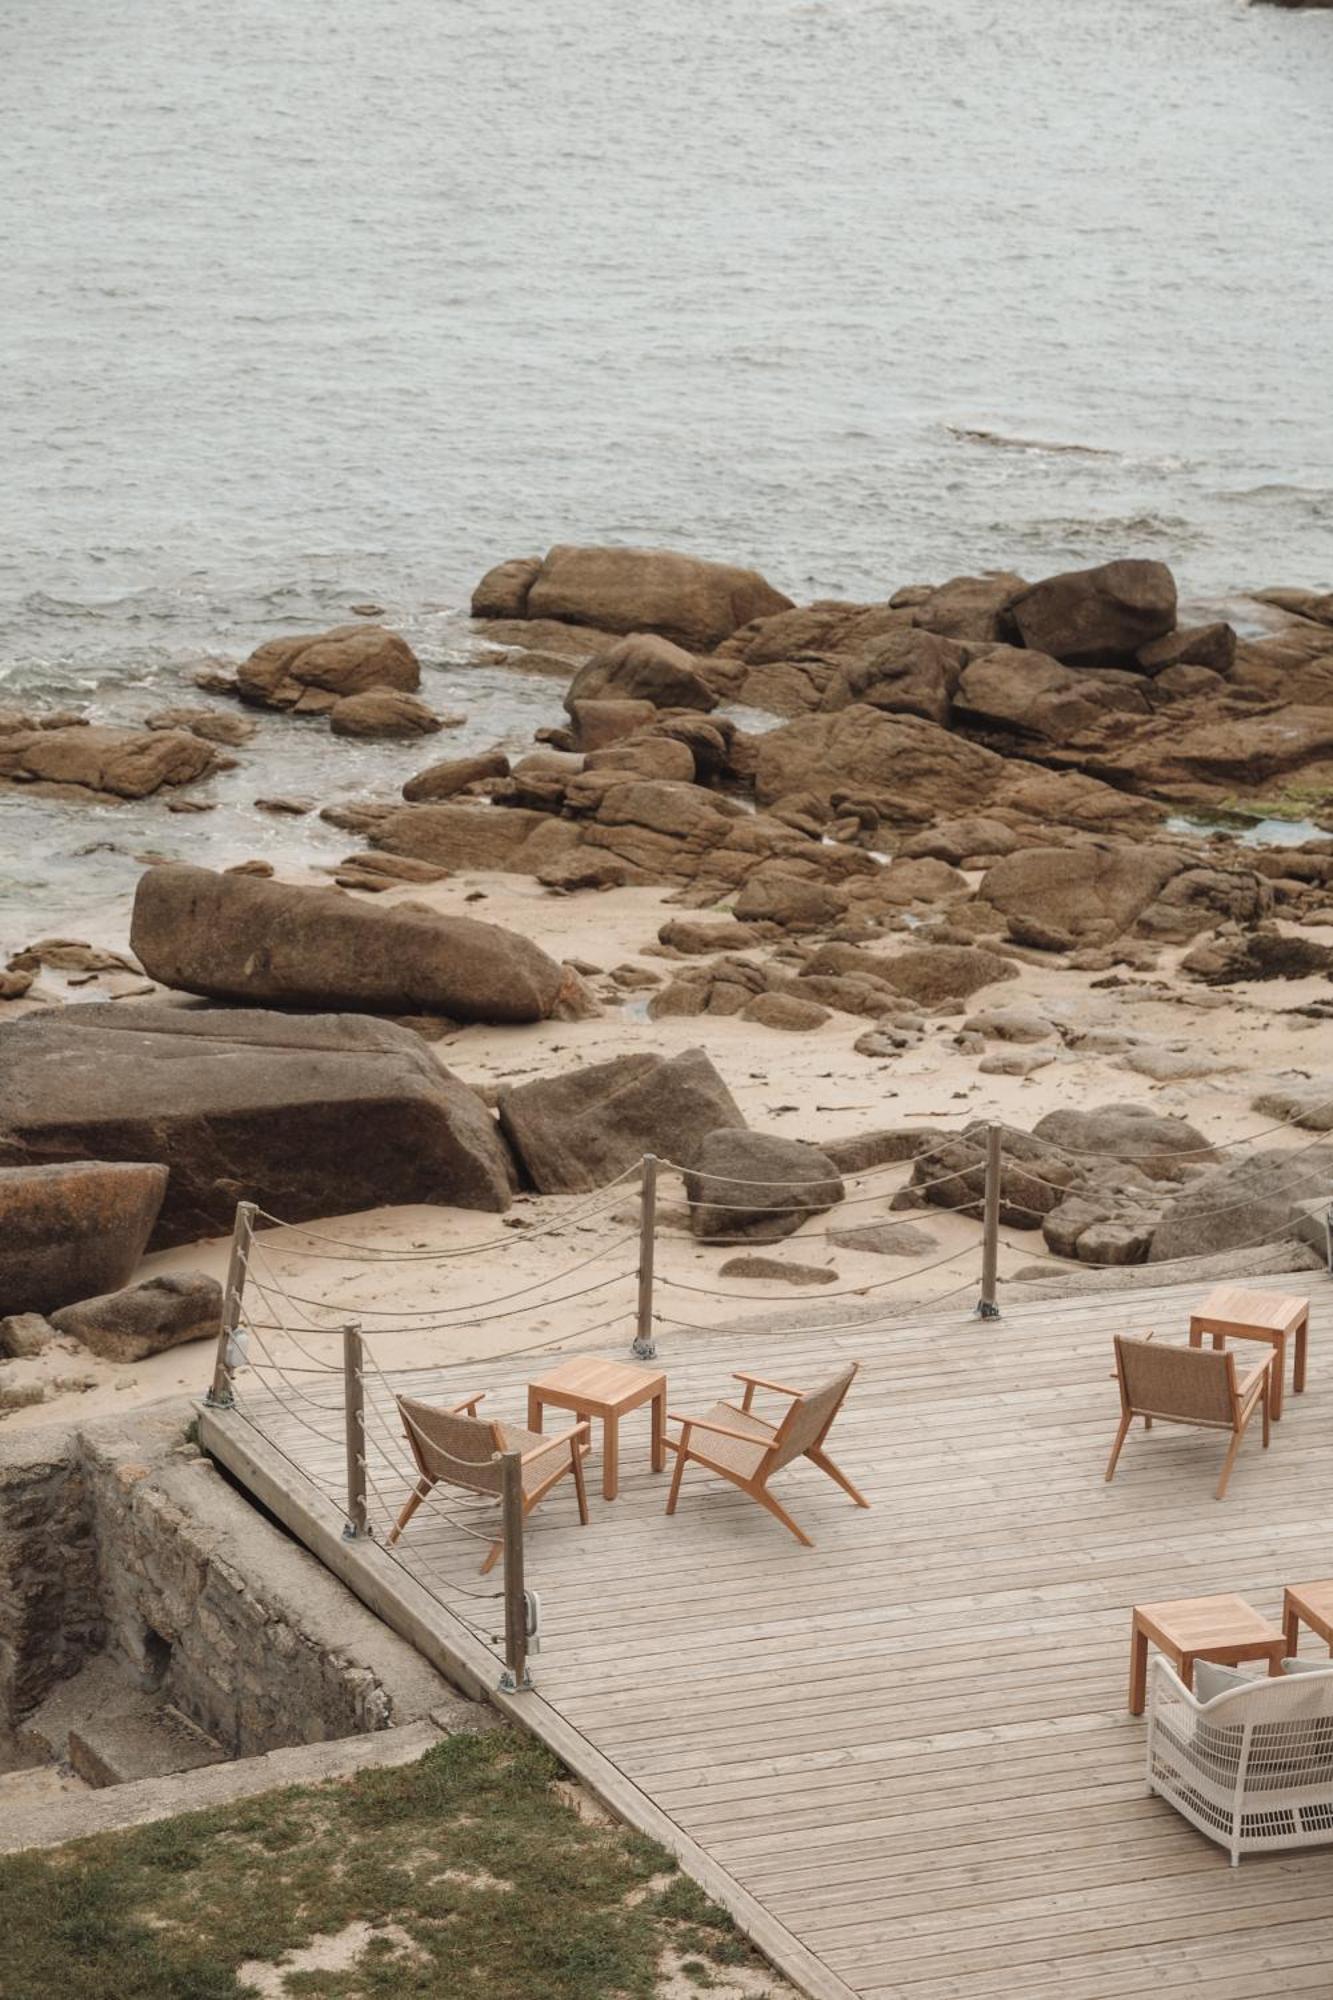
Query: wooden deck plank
point(910, 1744)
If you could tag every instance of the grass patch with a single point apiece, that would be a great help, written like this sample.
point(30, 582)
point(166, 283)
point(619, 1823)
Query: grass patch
point(478, 1877)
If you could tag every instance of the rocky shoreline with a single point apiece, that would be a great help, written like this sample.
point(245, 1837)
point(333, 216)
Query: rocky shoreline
point(919, 863)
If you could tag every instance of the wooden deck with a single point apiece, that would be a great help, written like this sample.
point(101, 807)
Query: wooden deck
point(910, 1745)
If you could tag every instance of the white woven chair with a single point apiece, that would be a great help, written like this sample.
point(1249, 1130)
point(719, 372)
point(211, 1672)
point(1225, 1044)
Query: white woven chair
point(1253, 1768)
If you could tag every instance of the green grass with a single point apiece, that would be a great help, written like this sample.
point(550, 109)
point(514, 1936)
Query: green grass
point(501, 1890)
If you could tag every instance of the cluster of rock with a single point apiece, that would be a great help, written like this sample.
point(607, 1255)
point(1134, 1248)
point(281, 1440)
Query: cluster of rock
point(59, 749)
point(1122, 1184)
point(362, 677)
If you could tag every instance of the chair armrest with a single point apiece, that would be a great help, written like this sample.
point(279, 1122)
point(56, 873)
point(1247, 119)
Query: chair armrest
point(719, 1430)
point(761, 1382)
point(561, 1438)
point(468, 1407)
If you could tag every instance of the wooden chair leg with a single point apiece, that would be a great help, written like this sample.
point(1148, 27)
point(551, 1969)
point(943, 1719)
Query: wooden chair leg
point(493, 1555)
point(1267, 1400)
point(1229, 1461)
point(414, 1500)
point(839, 1478)
point(765, 1499)
point(576, 1458)
point(1120, 1436)
point(674, 1494)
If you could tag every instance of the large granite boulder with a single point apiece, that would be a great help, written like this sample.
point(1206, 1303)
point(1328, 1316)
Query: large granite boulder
point(1012, 692)
point(1223, 753)
point(1162, 1147)
point(757, 1186)
point(239, 937)
point(517, 841)
point(643, 667)
point(308, 1115)
point(313, 671)
point(906, 673)
point(696, 603)
point(1091, 893)
point(503, 591)
point(576, 1132)
point(123, 763)
point(1097, 617)
point(913, 769)
point(454, 775)
point(146, 1319)
point(1255, 1201)
point(70, 1229)
point(966, 607)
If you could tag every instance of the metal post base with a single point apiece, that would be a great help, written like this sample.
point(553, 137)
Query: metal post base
point(644, 1350)
point(987, 1309)
point(351, 1533)
point(226, 1401)
point(508, 1685)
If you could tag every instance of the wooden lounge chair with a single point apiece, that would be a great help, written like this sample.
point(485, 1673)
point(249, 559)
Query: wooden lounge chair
point(1189, 1385)
point(745, 1449)
point(456, 1447)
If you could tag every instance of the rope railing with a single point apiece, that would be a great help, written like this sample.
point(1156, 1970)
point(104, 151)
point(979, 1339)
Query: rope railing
point(346, 1403)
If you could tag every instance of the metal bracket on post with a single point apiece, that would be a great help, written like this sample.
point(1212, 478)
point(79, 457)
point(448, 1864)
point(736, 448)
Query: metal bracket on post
point(987, 1304)
point(645, 1347)
point(220, 1395)
point(354, 1407)
point(515, 1679)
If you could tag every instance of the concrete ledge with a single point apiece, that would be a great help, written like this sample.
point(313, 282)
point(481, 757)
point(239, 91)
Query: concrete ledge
point(447, 1644)
point(80, 1814)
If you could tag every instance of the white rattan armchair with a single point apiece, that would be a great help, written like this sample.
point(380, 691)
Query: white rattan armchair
point(1253, 1768)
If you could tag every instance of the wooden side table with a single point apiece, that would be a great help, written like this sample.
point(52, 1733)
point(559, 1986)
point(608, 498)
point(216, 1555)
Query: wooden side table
point(609, 1390)
point(1308, 1604)
point(1268, 1316)
point(1186, 1629)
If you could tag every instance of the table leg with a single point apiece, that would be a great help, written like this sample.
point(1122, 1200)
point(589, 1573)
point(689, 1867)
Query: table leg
point(1275, 1660)
point(1138, 1670)
point(1277, 1376)
point(1298, 1373)
point(610, 1457)
point(659, 1432)
point(534, 1410)
point(1291, 1630)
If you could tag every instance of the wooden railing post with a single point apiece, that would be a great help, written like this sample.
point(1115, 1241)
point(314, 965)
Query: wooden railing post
point(354, 1407)
point(988, 1305)
point(515, 1677)
point(645, 1347)
point(220, 1395)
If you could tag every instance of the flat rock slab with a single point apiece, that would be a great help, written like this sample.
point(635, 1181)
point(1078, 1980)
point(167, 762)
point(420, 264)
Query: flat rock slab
point(886, 1239)
point(146, 1319)
point(308, 1115)
point(237, 937)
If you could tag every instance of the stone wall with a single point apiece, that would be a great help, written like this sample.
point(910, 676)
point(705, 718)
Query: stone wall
point(122, 1535)
point(51, 1615)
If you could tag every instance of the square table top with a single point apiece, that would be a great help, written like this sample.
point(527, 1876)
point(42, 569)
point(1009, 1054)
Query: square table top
point(1316, 1597)
point(1195, 1623)
point(1238, 1307)
point(597, 1384)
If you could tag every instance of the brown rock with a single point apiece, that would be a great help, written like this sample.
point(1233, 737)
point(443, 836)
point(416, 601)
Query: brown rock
point(774, 1271)
point(960, 841)
point(512, 841)
point(1243, 1205)
point(1086, 893)
point(693, 936)
point(934, 975)
point(328, 665)
point(908, 673)
point(1211, 646)
point(455, 774)
point(1097, 617)
point(603, 722)
point(503, 591)
point(577, 1132)
point(307, 1115)
point(786, 1011)
point(214, 725)
point(753, 1184)
point(913, 769)
point(643, 667)
point(1163, 1148)
point(656, 757)
point(684, 598)
point(69, 1229)
point(1225, 752)
point(1023, 693)
point(125, 763)
point(13, 985)
point(25, 1334)
point(886, 1239)
point(147, 1319)
point(381, 712)
point(233, 938)
point(967, 607)
point(790, 901)
point(876, 1149)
